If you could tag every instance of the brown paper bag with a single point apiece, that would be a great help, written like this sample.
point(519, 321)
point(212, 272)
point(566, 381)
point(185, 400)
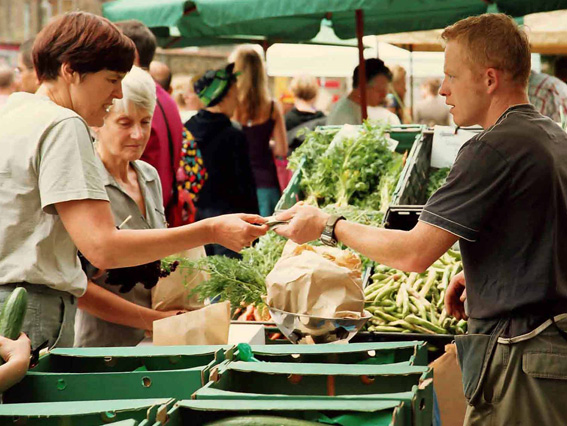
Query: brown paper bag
point(318, 281)
point(172, 292)
point(205, 326)
point(447, 380)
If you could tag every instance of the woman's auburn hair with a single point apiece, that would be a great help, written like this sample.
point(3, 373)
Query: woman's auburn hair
point(252, 84)
point(87, 42)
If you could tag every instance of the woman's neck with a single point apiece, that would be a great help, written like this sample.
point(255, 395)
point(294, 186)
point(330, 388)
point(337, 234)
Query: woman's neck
point(55, 91)
point(304, 106)
point(117, 167)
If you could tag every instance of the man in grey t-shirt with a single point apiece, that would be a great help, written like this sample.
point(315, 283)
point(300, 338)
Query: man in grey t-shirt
point(505, 200)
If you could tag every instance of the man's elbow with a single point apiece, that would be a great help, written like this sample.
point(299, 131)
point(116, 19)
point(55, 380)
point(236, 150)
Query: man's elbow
point(417, 263)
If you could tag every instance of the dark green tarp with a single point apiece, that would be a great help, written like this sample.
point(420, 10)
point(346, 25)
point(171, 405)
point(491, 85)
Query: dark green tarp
point(300, 20)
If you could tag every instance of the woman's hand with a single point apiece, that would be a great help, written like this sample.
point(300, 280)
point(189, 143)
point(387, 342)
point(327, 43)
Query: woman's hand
point(15, 350)
point(236, 231)
point(16, 353)
point(456, 296)
point(306, 223)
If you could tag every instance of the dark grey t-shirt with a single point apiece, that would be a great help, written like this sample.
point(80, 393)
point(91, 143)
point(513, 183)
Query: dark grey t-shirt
point(506, 198)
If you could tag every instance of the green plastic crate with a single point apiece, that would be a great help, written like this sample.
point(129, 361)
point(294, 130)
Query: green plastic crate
point(287, 381)
point(81, 413)
point(413, 352)
point(117, 373)
point(346, 413)
point(410, 194)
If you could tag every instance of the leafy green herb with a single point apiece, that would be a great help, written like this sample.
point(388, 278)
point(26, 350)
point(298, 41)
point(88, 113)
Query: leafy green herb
point(437, 180)
point(230, 279)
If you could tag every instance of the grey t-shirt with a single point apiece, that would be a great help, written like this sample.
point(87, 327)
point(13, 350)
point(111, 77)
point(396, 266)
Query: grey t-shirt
point(506, 198)
point(90, 330)
point(46, 158)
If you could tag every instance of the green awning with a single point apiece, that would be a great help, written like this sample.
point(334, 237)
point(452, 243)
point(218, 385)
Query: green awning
point(300, 20)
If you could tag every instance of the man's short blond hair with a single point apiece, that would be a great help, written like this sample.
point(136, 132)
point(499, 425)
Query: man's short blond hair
point(494, 40)
point(304, 87)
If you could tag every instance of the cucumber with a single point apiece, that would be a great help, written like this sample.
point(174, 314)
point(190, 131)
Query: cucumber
point(261, 421)
point(14, 313)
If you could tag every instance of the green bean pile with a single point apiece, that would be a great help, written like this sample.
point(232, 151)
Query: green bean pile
point(413, 303)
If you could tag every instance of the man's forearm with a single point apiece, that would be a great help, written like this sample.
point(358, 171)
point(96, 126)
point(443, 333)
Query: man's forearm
point(413, 250)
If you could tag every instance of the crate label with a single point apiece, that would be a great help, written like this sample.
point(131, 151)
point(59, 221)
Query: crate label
point(446, 145)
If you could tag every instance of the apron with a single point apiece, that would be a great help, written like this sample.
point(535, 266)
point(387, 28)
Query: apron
point(475, 351)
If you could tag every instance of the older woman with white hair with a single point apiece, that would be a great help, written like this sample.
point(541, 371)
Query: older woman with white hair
point(107, 317)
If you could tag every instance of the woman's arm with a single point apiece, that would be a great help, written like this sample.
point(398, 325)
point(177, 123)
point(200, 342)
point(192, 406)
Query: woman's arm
point(279, 133)
point(91, 226)
point(16, 354)
point(110, 307)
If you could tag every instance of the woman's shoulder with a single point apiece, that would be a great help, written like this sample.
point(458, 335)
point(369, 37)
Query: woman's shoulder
point(148, 171)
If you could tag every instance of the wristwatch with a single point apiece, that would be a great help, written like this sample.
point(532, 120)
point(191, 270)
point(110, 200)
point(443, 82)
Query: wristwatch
point(328, 234)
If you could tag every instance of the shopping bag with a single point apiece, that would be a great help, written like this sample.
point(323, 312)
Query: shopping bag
point(174, 291)
point(206, 326)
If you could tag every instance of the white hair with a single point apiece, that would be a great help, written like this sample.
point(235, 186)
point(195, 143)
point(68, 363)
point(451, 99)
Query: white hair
point(138, 88)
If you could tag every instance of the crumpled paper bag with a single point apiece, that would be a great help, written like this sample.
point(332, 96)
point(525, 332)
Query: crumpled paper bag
point(318, 281)
point(173, 292)
point(205, 326)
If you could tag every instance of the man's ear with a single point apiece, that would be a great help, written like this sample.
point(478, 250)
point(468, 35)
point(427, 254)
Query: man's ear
point(492, 78)
point(68, 74)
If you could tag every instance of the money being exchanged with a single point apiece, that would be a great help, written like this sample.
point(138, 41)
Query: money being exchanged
point(272, 222)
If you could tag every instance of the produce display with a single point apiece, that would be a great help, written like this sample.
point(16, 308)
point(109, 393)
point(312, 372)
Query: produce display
point(411, 302)
point(357, 169)
point(437, 180)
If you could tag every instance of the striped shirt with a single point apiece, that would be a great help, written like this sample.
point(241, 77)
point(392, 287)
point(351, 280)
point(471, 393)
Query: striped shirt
point(548, 95)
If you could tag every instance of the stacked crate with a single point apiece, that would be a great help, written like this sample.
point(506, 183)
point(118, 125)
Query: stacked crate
point(370, 383)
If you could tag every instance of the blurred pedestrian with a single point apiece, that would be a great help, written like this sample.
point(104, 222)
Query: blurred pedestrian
point(347, 110)
point(230, 186)
point(263, 124)
point(303, 115)
point(548, 95)
point(7, 83)
point(395, 100)
point(185, 97)
point(432, 109)
point(163, 150)
point(26, 77)
point(161, 74)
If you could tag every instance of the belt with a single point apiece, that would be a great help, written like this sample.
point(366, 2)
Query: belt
point(39, 289)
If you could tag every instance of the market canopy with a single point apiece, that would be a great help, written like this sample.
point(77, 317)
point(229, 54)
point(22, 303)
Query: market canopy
point(300, 20)
point(547, 33)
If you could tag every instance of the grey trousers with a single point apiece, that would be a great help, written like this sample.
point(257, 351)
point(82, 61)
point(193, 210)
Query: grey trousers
point(50, 315)
point(526, 382)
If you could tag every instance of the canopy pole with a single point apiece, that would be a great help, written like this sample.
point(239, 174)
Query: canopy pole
point(361, 65)
point(411, 77)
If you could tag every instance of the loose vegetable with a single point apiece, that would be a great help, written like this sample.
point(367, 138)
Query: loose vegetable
point(13, 314)
point(261, 421)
